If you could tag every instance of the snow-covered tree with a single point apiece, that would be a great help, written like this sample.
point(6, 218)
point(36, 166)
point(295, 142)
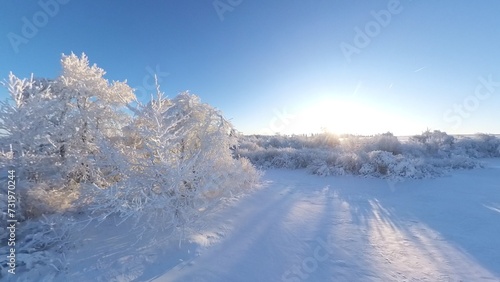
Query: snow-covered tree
point(60, 128)
point(94, 114)
point(75, 148)
point(164, 166)
point(181, 164)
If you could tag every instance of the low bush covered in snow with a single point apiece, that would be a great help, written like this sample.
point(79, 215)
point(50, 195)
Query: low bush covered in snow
point(429, 154)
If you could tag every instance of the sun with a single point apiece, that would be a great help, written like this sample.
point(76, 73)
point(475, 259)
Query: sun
point(349, 115)
point(338, 116)
point(341, 117)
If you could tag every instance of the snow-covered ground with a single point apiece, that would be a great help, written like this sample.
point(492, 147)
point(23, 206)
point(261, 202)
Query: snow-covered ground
point(301, 227)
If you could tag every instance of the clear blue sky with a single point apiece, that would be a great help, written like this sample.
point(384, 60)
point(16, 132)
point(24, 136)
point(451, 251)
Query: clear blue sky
point(282, 65)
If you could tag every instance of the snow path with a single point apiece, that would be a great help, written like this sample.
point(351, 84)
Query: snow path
point(302, 227)
point(306, 228)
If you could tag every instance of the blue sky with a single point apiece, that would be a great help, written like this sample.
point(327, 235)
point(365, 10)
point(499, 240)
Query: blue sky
point(282, 66)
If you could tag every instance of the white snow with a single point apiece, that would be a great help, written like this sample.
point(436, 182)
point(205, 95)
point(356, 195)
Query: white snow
point(180, 179)
point(301, 227)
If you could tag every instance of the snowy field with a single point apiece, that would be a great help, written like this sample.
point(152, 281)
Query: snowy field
point(301, 227)
point(184, 184)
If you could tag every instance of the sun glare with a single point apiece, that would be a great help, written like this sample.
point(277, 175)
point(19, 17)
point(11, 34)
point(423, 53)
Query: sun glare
point(342, 117)
point(335, 116)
